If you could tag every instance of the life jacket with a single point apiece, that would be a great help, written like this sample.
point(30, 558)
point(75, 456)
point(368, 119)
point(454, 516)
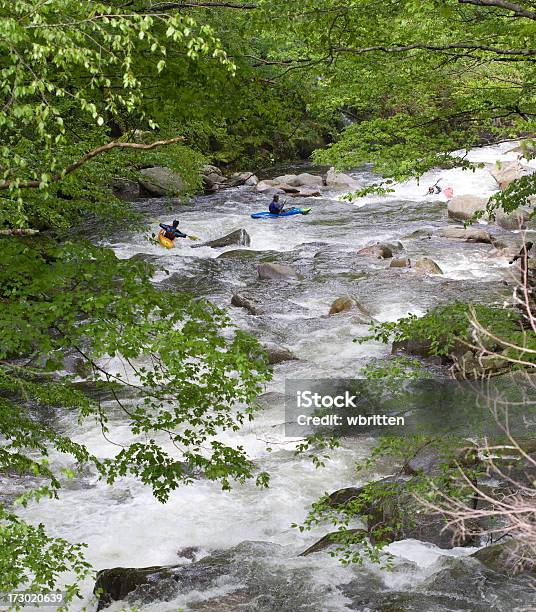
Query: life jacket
point(274, 208)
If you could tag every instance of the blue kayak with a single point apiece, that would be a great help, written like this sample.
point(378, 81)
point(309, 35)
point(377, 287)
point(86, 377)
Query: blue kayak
point(287, 213)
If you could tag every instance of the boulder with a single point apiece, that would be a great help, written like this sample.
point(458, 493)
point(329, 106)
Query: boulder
point(278, 354)
point(400, 262)
point(249, 302)
point(338, 180)
point(343, 496)
point(243, 178)
point(159, 181)
point(287, 179)
point(310, 181)
point(115, 584)
point(463, 207)
point(274, 271)
point(508, 172)
point(469, 234)
point(333, 538)
point(511, 221)
point(347, 303)
point(425, 265)
point(213, 182)
point(239, 236)
point(378, 250)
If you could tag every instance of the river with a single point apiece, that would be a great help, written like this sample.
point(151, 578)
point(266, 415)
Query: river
point(250, 528)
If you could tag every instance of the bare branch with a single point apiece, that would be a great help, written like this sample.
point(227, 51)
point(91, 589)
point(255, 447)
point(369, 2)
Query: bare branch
point(33, 184)
point(517, 9)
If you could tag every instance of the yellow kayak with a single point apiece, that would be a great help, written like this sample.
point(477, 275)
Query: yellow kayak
point(165, 242)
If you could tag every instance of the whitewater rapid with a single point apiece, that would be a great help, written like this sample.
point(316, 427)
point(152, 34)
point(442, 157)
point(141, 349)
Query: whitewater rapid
point(125, 526)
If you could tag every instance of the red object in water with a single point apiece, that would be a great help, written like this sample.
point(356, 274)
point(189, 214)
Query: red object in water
point(449, 192)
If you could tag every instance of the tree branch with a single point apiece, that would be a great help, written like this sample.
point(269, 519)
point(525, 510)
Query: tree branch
point(33, 184)
point(517, 9)
point(426, 47)
point(168, 6)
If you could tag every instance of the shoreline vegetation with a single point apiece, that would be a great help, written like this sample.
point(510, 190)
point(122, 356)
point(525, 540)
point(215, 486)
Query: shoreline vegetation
point(108, 107)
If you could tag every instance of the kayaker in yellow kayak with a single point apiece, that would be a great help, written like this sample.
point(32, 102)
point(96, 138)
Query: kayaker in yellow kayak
point(168, 233)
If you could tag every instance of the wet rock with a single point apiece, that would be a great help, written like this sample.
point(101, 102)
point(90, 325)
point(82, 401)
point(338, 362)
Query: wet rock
point(189, 552)
point(115, 584)
point(343, 496)
point(425, 265)
point(347, 303)
point(249, 302)
point(508, 172)
point(502, 557)
point(274, 271)
point(400, 262)
point(469, 234)
point(159, 181)
point(240, 237)
point(427, 460)
point(463, 207)
point(278, 354)
point(515, 220)
point(379, 250)
point(420, 234)
point(398, 516)
point(330, 539)
point(338, 180)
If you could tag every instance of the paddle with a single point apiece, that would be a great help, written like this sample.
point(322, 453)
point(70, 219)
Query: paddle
point(153, 236)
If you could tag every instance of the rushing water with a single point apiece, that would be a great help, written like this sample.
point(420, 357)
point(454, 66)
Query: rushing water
point(246, 532)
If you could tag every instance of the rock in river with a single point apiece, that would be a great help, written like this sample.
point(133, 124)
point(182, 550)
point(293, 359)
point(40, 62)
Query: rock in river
point(469, 234)
point(347, 303)
point(515, 220)
point(400, 262)
point(463, 207)
point(278, 354)
point(425, 265)
point(381, 251)
point(338, 180)
point(273, 271)
point(247, 301)
point(240, 237)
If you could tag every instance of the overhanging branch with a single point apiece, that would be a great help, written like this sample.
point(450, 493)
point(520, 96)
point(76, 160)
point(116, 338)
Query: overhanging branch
point(517, 9)
point(32, 184)
point(168, 6)
point(427, 47)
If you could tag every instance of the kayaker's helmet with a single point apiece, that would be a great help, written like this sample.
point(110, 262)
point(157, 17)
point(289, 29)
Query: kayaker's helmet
point(175, 223)
point(276, 197)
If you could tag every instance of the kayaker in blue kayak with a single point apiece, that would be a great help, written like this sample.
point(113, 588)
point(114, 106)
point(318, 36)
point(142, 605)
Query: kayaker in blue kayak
point(276, 207)
point(172, 231)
